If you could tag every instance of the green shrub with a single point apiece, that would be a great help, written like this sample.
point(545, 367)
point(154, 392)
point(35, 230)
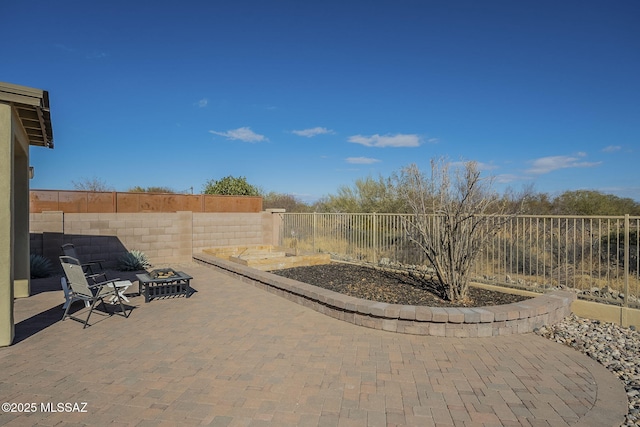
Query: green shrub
point(231, 186)
point(133, 261)
point(40, 266)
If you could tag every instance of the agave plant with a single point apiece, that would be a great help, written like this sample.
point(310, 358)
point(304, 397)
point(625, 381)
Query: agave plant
point(133, 261)
point(40, 266)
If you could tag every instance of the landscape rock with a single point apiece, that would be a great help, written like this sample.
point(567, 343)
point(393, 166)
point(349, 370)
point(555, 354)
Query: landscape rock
point(615, 347)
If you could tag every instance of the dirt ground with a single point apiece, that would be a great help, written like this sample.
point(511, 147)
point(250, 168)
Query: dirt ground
point(389, 287)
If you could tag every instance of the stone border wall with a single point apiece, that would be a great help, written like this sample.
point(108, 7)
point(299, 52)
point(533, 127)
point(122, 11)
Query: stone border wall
point(517, 318)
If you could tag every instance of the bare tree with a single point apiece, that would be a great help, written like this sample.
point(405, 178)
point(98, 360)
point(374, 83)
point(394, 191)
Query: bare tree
point(91, 184)
point(152, 189)
point(453, 214)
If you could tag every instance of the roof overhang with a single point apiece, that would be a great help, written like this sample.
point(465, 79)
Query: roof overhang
point(32, 107)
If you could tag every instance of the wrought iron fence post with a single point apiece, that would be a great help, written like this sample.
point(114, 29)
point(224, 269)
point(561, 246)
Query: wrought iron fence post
point(626, 260)
point(313, 238)
point(375, 238)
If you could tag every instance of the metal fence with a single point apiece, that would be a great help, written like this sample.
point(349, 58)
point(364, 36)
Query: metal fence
point(598, 256)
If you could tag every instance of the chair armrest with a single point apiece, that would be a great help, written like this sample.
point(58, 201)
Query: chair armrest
point(87, 267)
point(94, 276)
point(106, 282)
point(111, 282)
point(90, 263)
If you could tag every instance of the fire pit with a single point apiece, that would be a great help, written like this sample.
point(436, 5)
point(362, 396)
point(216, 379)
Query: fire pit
point(164, 282)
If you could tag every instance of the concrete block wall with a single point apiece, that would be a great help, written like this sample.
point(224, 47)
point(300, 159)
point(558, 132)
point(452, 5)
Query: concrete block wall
point(46, 234)
point(220, 229)
point(165, 238)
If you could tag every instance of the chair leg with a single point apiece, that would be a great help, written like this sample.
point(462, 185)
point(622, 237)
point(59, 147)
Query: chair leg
point(95, 301)
point(67, 294)
point(66, 311)
point(124, 311)
point(104, 305)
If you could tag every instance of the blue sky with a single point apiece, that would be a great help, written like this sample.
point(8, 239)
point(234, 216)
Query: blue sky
point(302, 97)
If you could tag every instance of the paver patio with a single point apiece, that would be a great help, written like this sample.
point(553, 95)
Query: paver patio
point(234, 355)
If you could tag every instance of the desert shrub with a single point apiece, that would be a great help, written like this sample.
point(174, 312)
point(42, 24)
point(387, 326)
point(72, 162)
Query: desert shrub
point(365, 196)
point(133, 261)
point(289, 202)
point(40, 266)
point(157, 189)
point(231, 186)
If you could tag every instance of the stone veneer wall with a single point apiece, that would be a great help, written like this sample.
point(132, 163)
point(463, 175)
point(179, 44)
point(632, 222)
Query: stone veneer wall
point(164, 237)
point(517, 318)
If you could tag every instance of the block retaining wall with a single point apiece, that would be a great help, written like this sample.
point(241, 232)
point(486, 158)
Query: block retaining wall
point(170, 237)
point(517, 318)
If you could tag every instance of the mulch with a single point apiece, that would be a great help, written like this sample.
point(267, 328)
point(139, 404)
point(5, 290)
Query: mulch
point(390, 287)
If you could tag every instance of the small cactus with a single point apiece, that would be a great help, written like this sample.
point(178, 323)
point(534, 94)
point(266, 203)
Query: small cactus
point(40, 266)
point(133, 261)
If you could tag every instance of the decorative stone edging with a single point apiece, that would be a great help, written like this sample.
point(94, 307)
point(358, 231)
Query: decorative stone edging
point(516, 318)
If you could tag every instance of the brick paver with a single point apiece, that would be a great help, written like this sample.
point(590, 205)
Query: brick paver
point(234, 355)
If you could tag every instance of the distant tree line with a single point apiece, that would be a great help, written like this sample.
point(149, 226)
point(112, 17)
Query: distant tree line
point(380, 194)
point(138, 189)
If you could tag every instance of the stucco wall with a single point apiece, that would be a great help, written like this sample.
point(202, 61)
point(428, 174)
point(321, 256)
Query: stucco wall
point(6, 247)
point(163, 237)
point(14, 206)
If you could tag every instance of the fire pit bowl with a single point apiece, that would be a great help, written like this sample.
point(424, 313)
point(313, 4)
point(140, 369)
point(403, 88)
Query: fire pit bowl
point(163, 273)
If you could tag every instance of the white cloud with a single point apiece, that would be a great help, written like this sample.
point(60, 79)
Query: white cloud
point(611, 148)
point(361, 160)
point(551, 163)
point(506, 178)
point(203, 102)
point(399, 140)
point(487, 166)
point(312, 132)
point(243, 134)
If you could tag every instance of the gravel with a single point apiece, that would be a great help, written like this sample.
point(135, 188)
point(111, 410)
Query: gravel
point(615, 347)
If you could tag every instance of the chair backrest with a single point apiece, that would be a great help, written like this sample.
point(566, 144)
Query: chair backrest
point(78, 281)
point(75, 276)
point(69, 250)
